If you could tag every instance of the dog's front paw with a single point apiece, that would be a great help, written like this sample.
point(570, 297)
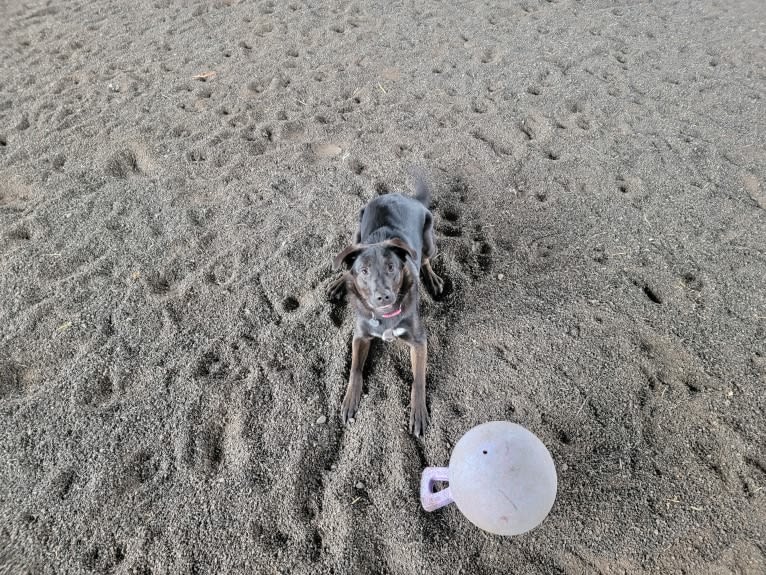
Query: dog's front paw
point(418, 418)
point(350, 402)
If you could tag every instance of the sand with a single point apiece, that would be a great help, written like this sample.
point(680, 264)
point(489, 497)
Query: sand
point(175, 178)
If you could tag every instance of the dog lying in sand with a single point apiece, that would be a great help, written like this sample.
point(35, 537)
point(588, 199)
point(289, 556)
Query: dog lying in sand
point(393, 244)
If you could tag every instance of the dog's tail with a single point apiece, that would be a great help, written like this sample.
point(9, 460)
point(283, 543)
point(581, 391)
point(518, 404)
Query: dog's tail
point(422, 191)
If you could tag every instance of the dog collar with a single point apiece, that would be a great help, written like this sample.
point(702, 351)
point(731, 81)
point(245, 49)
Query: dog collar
point(392, 314)
point(375, 322)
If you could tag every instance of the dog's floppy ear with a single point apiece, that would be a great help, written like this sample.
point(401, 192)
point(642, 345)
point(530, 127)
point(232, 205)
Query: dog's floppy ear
point(347, 256)
point(401, 248)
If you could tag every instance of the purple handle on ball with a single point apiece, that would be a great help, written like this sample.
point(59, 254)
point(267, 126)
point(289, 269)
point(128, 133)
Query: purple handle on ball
point(428, 499)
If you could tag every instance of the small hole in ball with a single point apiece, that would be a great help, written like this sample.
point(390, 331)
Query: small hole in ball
point(484, 452)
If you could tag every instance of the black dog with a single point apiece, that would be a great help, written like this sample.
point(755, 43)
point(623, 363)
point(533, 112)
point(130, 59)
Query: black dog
point(393, 244)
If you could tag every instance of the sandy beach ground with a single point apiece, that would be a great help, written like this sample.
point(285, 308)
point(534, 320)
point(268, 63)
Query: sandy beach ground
point(175, 178)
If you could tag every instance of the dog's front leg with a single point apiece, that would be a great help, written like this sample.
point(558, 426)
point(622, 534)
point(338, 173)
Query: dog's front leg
point(418, 410)
point(359, 348)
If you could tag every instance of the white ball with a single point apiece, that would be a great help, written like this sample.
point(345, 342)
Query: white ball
point(502, 478)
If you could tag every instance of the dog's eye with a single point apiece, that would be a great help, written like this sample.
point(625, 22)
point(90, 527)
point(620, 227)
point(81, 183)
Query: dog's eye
point(365, 271)
point(391, 268)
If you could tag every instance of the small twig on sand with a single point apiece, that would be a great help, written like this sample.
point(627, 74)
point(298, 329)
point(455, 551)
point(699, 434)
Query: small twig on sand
point(205, 75)
point(677, 502)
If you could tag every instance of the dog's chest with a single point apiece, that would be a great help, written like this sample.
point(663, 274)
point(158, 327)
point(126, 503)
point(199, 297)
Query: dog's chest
point(378, 329)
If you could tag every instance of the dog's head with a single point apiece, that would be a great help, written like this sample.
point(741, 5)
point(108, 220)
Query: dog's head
point(380, 272)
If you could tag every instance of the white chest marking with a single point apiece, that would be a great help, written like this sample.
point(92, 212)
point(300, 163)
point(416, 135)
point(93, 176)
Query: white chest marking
point(389, 334)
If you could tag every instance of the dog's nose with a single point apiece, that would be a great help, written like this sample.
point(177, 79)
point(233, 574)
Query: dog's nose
point(384, 298)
